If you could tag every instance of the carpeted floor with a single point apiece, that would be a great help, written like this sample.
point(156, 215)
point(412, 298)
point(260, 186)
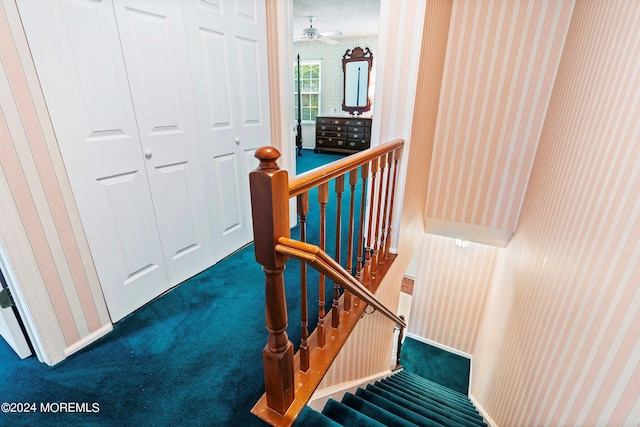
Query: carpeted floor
point(190, 357)
point(437, 365)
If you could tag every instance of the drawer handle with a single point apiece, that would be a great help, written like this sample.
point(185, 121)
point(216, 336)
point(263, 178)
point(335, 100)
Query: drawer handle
point(339, 128)
point(340, 142)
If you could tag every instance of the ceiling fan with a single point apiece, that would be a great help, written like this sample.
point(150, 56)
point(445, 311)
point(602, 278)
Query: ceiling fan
point(311, 34)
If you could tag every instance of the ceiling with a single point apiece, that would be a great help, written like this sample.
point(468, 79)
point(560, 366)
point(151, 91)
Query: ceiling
point(353, 18)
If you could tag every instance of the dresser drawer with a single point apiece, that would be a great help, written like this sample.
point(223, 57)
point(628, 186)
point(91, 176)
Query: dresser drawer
point(331, 128)
point(331, 142)
point(331, 121)
point(331, 134)
point(359, 122)
point(358, 144)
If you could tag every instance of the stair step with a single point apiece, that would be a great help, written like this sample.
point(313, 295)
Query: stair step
point(444, 413)
point(385, 417)
point(436, 412)
point(426, 384)
point(347, 416)
point(400, 400)
point(434, 395)
point(309, 417)
point(411, 414)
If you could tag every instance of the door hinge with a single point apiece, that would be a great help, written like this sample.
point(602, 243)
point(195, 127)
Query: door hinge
point(6, 300)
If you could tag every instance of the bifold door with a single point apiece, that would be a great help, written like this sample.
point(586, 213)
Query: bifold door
point(158, 107)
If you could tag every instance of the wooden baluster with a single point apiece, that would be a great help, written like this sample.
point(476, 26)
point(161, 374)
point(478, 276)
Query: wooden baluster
point(385, 221)
point(323, 198)
point(376, 237)
point(270, 209)
point(367, 251)
point(353, 181)
point(335, 308)
point(303, 211)
point(364, 175)
point(396, 155)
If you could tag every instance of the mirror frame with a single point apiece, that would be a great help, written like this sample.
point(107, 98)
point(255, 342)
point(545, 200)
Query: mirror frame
point(357, 54)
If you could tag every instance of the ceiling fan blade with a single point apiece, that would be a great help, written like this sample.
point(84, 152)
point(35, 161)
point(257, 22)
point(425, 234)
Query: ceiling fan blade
point(327, 40)
point(331, 33)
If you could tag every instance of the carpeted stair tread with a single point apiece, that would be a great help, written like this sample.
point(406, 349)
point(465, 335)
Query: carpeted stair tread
point(431, 397)
point(383, 416)
point(347, 416)
point(424, 383)
point(440, 410)
point(411, 414)
point(400, 400)
point(463, 405)
point(433, 410)
point(309, 417)
point(432, 384)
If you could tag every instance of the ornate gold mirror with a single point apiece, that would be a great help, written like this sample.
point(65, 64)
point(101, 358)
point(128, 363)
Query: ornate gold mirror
point(356, 66)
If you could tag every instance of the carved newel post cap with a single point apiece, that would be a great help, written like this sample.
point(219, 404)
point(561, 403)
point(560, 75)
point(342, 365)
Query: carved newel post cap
point(267, 156)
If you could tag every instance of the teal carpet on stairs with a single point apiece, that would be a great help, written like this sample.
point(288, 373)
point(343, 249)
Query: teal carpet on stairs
point(431, 390)
point(192, 357)
point(436, 364)
point(402, 399)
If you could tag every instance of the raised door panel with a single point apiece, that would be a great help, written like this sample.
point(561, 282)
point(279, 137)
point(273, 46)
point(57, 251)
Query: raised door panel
point(154, 48)
point(231, 97)
point(75, 47)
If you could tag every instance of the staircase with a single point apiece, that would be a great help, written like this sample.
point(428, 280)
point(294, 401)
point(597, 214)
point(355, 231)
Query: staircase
point(402, 399)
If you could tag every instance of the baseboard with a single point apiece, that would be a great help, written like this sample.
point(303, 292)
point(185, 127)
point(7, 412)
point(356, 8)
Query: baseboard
point(320, 397)
point(440, 346)
point(88, 340)
point(484, 413)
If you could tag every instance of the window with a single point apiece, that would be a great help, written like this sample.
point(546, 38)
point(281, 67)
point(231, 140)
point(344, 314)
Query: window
point(309, 90)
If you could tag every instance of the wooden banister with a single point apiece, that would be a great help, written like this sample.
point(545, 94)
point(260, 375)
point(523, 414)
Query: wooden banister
point(313, 178)
point(291, 379)
point(322, 262)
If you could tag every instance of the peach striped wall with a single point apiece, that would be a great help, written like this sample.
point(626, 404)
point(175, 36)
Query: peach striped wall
point(46, 244)
point(560, 340)
point(450, 289)
point(499, 73)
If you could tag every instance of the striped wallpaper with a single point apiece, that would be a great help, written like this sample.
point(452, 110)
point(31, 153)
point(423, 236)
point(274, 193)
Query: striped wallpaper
point(568, 350)
point(41, 230)
point(552, 321)
point(450, 289)
point(499, 73)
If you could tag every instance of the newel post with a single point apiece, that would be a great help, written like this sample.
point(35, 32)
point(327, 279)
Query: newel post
point(270, 209)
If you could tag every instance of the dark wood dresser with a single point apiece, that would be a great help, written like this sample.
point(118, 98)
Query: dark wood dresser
point(342, 134)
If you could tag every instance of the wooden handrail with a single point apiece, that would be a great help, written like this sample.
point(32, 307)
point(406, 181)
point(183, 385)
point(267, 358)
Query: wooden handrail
point(321, 261)
point(308, 180)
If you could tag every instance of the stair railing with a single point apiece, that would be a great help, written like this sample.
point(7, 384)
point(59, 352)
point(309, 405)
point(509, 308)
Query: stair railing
point(290, 379)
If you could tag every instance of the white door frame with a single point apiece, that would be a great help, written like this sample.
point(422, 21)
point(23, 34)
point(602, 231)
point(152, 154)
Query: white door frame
point(21, 305)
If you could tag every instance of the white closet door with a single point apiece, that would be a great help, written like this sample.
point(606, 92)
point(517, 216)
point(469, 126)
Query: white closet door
point(155, 55)
point(228, 52)
point(158, 107)
point(76, 49)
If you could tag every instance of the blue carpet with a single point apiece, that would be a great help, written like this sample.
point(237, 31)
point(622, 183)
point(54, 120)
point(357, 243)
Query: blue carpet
point(190, 357)
point(435, 364)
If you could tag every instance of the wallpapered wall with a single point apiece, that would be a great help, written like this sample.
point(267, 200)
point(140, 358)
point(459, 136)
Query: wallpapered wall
point(331, 75)
point(558, 339)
